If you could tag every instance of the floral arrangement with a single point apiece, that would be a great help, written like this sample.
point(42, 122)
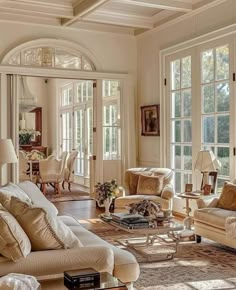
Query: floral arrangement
point(35, 155)
point(26, 135)
point(106, 190)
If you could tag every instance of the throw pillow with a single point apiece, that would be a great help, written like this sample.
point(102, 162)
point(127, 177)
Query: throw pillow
point(44, 230)
point(227, 198)
point(150, 185)
point(37, 197)
point(14, 243)
point(12, 190)
point(132, 180)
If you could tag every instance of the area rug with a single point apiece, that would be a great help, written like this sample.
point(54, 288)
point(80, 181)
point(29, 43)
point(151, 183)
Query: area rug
point(77, 193)
point(204, 266)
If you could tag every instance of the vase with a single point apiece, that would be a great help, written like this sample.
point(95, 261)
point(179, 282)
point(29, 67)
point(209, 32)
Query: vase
point(107, 203)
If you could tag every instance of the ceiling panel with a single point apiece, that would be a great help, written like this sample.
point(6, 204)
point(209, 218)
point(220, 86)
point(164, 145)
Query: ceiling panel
point(130, 9)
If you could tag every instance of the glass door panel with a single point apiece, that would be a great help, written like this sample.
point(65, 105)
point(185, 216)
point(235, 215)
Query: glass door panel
point(215, 115)
point(83, 122)
point(181, 121)
point(111, 120)
point(66, 131)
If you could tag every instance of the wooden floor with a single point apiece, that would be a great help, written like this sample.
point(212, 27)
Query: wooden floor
point(84, 209)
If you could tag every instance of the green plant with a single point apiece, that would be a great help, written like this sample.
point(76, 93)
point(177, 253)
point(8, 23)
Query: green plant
point(26, 135)
point(105, 190)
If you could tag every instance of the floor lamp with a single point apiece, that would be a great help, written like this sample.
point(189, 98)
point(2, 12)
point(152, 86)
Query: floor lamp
point(206, 162)
point(7, 153)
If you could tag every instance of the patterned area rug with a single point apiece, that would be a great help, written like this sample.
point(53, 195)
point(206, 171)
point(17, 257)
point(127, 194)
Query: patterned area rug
point(204, 266)
point(77, 193)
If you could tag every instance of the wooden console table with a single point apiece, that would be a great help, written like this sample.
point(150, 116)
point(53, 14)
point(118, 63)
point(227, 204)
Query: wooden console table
point(29, 148)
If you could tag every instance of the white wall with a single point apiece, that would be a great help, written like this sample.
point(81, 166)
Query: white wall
point(149, 46)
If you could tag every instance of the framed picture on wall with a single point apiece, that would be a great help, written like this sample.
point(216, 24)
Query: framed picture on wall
point(150, 120)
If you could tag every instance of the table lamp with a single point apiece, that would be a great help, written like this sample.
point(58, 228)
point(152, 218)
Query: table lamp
point(7, 152)
point(205, 163)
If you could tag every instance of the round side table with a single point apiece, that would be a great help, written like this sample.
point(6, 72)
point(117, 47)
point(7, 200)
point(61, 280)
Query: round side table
point(188, 221)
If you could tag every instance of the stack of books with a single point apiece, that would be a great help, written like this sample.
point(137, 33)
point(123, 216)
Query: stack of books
point(131, 221)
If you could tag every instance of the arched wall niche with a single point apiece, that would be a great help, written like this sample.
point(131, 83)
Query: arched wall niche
point(52, 53)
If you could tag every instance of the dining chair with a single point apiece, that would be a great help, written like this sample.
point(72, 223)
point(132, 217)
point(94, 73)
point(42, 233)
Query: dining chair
point(68, 173)
point(24, 167)
point(51, 171)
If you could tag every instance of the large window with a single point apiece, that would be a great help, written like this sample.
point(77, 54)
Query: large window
point(111, 120)
point(215, 109)
point(199, 89)
point(51, 57)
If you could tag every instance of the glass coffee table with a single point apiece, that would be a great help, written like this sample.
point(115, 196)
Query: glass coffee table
point(154, 243)
point(107, 281)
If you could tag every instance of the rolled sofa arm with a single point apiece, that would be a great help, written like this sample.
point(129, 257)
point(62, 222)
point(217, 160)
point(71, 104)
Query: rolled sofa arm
point(53, 262)
point(168, 192)
point(212, 202)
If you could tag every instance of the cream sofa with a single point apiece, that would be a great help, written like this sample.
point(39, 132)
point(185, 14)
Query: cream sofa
point(165, 197)
point(95, 253)
point(209, 222)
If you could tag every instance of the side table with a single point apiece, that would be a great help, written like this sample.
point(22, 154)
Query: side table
point(188, 221)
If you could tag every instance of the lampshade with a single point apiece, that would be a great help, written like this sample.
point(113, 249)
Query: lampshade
point(7, 152)
point(206, 161)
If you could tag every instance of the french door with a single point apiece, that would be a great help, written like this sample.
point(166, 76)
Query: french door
point(200, 110)
point(77, 125)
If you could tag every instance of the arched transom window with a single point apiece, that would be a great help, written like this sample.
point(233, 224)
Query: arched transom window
point(54, 57)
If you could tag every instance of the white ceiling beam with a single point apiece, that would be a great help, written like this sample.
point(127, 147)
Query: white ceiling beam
point(114, 18)
point(162, 15)
point(19, 18)
point(57, 3)
point(34, 8)
point(82, 9)
point(174, 5)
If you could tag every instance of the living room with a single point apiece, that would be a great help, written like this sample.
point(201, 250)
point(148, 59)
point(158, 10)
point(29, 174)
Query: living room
point(143, 59)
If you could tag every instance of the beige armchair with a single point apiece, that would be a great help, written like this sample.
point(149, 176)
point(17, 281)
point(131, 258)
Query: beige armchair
point(214, 214)
point(147, 184)
point(51, 171)
point(68, 173)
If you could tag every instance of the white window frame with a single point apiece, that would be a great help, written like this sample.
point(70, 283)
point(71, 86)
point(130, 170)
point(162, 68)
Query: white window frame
point(195, 46)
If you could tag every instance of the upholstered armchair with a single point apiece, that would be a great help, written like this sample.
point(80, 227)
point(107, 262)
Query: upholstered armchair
point(68, 173)
point(51, 171)
point(147, 184)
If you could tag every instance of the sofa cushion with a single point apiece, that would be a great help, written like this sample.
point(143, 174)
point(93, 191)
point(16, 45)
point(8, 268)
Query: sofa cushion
point(44, 230)
point(14, 243)
point(37, 197)
point(215, 217)
point(150, 185)
point(227, 198)
point(12, 189)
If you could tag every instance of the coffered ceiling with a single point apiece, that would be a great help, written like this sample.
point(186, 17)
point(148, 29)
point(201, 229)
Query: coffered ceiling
point(135, 16)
